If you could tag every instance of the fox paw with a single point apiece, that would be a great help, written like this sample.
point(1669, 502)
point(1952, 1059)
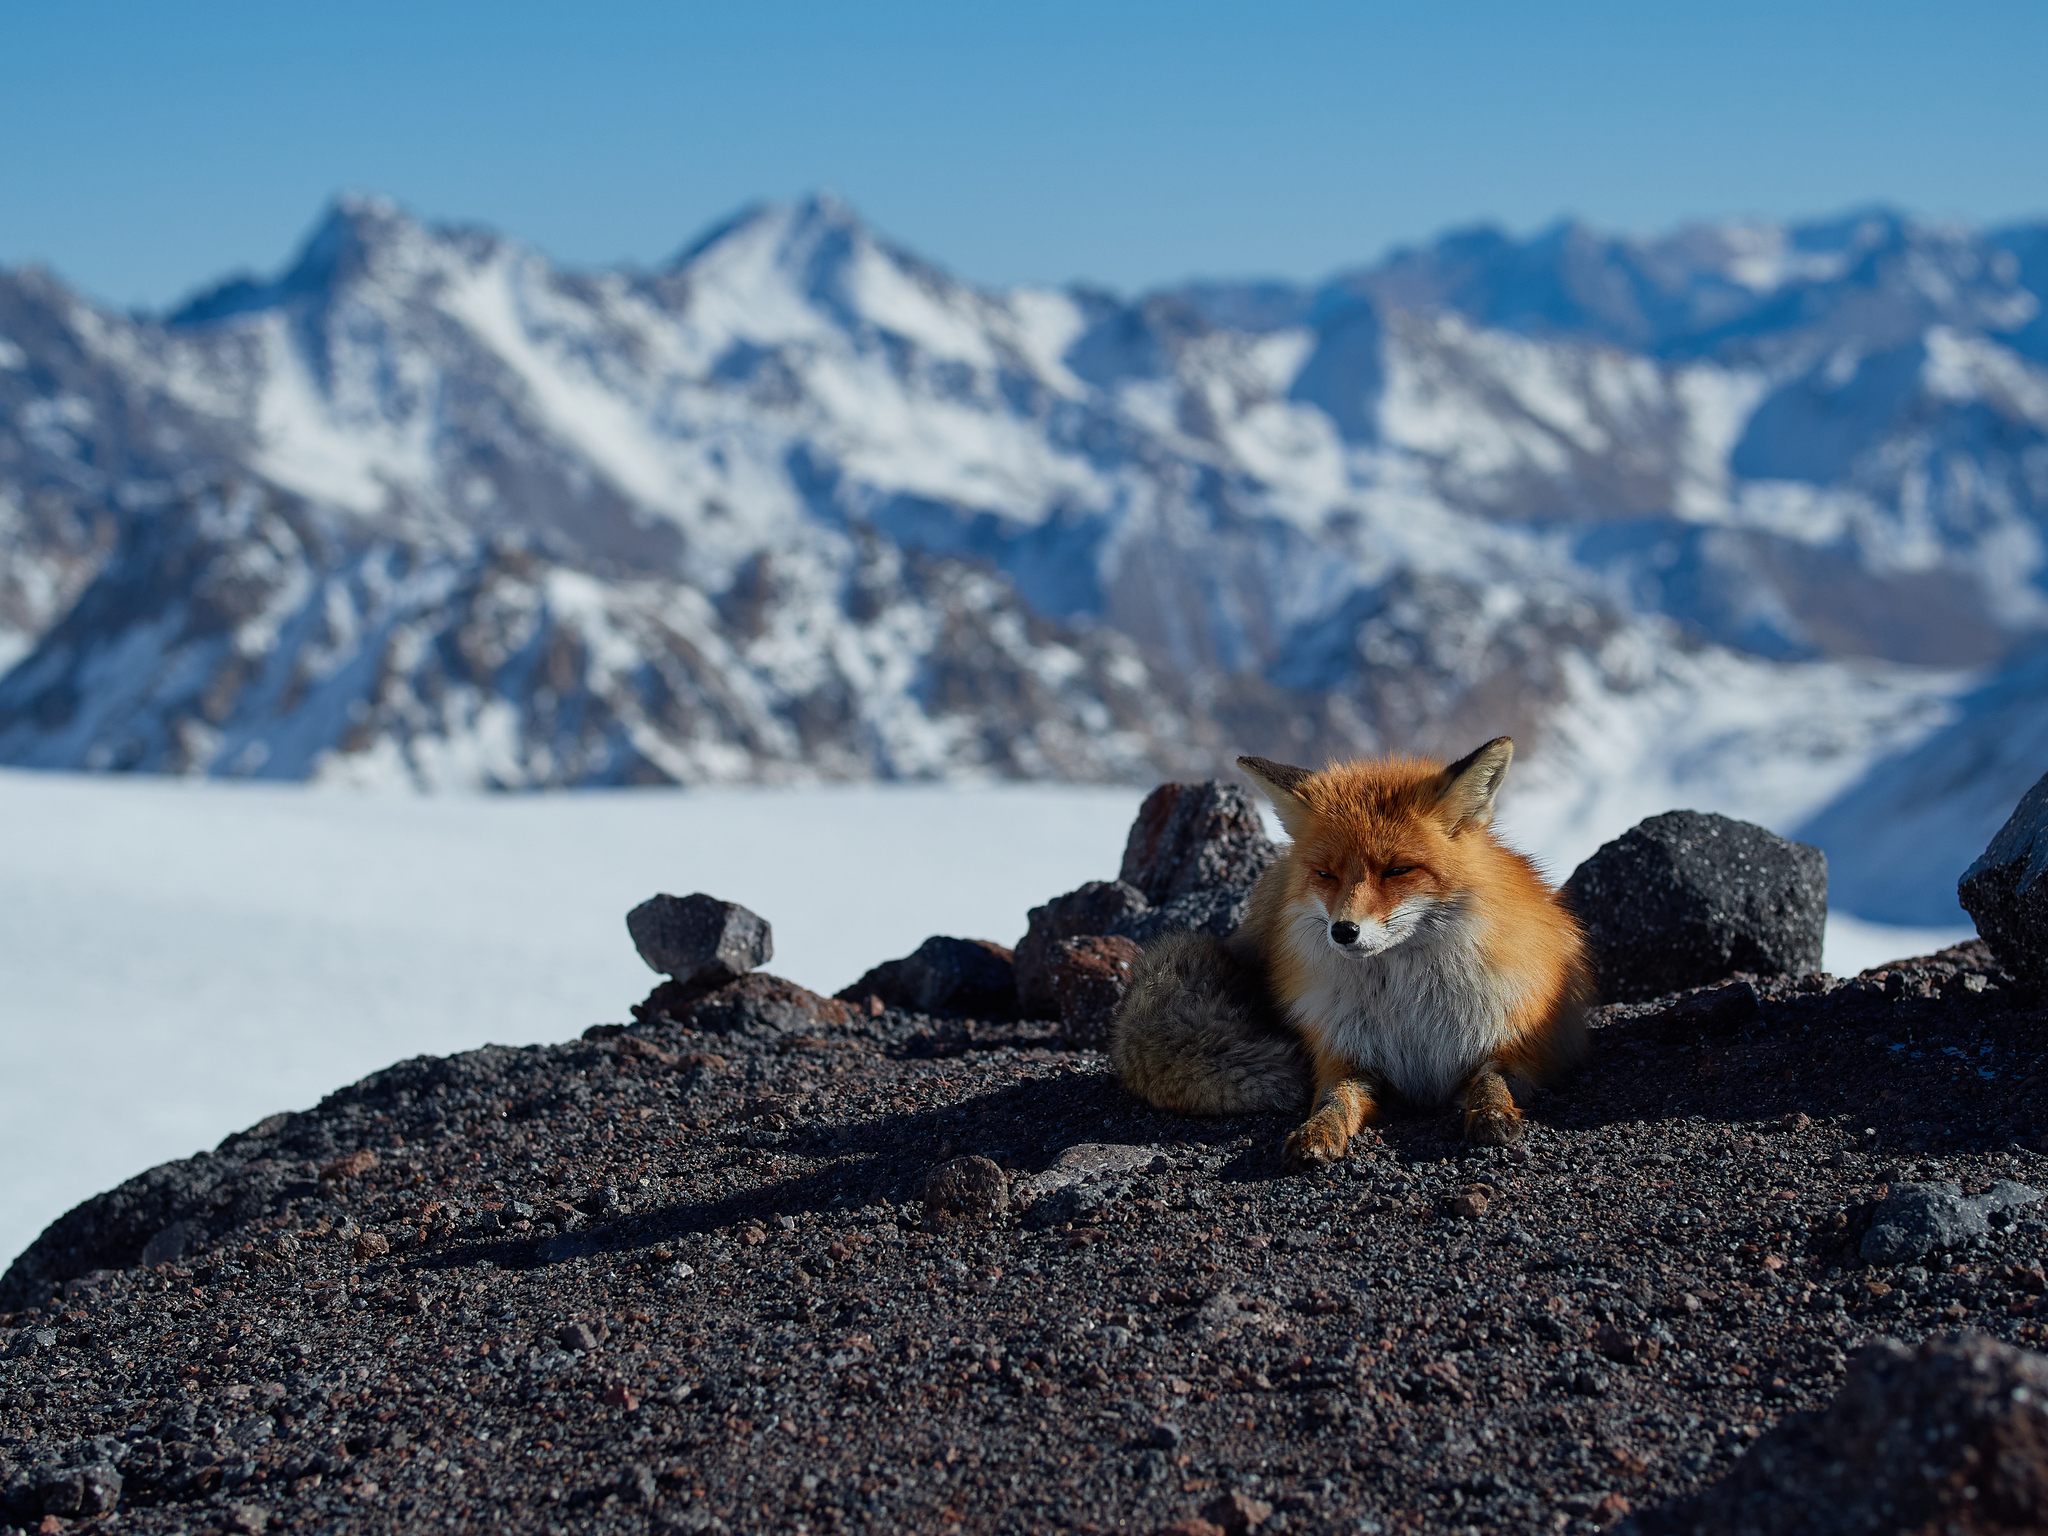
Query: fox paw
point(1313, 1144)
point(1493, 1128)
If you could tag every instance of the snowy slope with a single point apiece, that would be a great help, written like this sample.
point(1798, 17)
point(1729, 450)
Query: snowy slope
point(799, 504)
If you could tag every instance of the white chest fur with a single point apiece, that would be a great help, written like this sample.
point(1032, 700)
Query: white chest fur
point(1419, 1015)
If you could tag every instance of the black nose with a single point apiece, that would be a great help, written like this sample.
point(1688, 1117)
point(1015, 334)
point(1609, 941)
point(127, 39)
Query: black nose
point(1344, 933)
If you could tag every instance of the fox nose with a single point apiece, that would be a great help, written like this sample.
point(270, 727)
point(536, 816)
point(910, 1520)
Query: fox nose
point(1344, 933)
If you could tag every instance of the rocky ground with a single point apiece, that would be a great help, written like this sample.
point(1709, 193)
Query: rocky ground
point(674, 1276)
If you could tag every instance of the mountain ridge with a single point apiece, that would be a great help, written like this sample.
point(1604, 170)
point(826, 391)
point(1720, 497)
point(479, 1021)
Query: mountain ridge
point(1481, 484)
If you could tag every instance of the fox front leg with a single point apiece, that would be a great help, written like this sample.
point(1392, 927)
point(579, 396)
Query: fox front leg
point(1345, 1105)
point(1491, 1118)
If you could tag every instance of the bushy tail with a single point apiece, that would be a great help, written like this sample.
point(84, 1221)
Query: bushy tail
point(1196, 1034)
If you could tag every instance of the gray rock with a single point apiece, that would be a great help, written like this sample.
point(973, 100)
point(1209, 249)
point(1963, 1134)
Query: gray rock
point(1687, 899)
point(699, 938)
point(1915, 1219)
point(1094, 908)
point(1190, 837)
point(2006, 893)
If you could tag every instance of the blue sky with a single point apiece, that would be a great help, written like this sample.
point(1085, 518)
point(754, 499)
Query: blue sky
point(147, 149)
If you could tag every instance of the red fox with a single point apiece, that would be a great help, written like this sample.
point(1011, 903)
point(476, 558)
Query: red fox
point(1396, 948)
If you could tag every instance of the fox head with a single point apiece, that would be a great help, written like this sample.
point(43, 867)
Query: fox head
point(1383, 850)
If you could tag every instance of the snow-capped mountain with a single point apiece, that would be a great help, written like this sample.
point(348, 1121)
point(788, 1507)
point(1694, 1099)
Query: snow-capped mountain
point(798, 503)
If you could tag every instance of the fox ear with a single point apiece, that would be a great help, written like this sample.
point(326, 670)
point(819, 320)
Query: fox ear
point(1466, 788)
point(1279, 781)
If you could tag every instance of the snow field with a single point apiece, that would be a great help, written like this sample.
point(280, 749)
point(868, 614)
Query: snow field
point(180, 959)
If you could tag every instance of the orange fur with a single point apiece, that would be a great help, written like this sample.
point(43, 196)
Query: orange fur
point(1407, 841)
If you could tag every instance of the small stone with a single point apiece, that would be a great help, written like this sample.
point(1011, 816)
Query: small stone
point(1090, 976)
point(752, 1236)
point(249, 1519)
point(1236, 1513)
point(1796, 1121)
point(619, 1395)
point(1471, 1205)
point(964, 1189)
point(698, 938)
point(2005, 892)
point(1610, 1508)
point(354, 1166)
point(372, 1245)
point(1624, 1348)
point(1193, 1525)
point(1164, 1435)
point(1687, 899)
point(637, 1485)
point(576, 1336)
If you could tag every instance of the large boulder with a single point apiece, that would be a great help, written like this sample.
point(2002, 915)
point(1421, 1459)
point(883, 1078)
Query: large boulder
point(1195, 837)
point(700, 939)
point(1952, 1436)
point(1687, 899)
point(2006, 890)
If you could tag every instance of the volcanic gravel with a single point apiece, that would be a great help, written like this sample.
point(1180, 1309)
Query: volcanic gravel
point(680, 1279)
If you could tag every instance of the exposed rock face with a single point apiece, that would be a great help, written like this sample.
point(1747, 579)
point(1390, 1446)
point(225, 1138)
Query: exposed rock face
point(1952, 1436)
point(1089, 978)
point(1195, 837)
point(1097, 907)
point(699, 938)
point(1685, 899)
point(2006, 890)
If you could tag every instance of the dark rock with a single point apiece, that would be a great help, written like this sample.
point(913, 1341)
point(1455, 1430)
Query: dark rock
point(1163, 1435)
point(87, 1490)
point(170, 1245)
point(1191, 837)
point(1089, 978)
point(1687, 899)
point(576, 1336)
point(880, 986)
point(1096, 907)
point(1216, 911)
point(758, 1004)
point(699, 938)
point(2005, 891)
point(964, 1189)
point(972, 976)
point(1915, 1219)
point(1951, 1436)
point(1237, 1513)
point(975, 977)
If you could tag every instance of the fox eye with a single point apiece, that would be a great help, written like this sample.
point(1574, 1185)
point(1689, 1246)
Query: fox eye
point(1322, 874)
point(1396, 871)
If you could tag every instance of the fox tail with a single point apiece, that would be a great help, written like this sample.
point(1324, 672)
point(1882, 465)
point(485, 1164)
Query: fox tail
point(1196, 1034)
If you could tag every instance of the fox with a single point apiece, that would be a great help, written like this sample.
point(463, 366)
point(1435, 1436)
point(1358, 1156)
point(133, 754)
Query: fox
point(1396, 949)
